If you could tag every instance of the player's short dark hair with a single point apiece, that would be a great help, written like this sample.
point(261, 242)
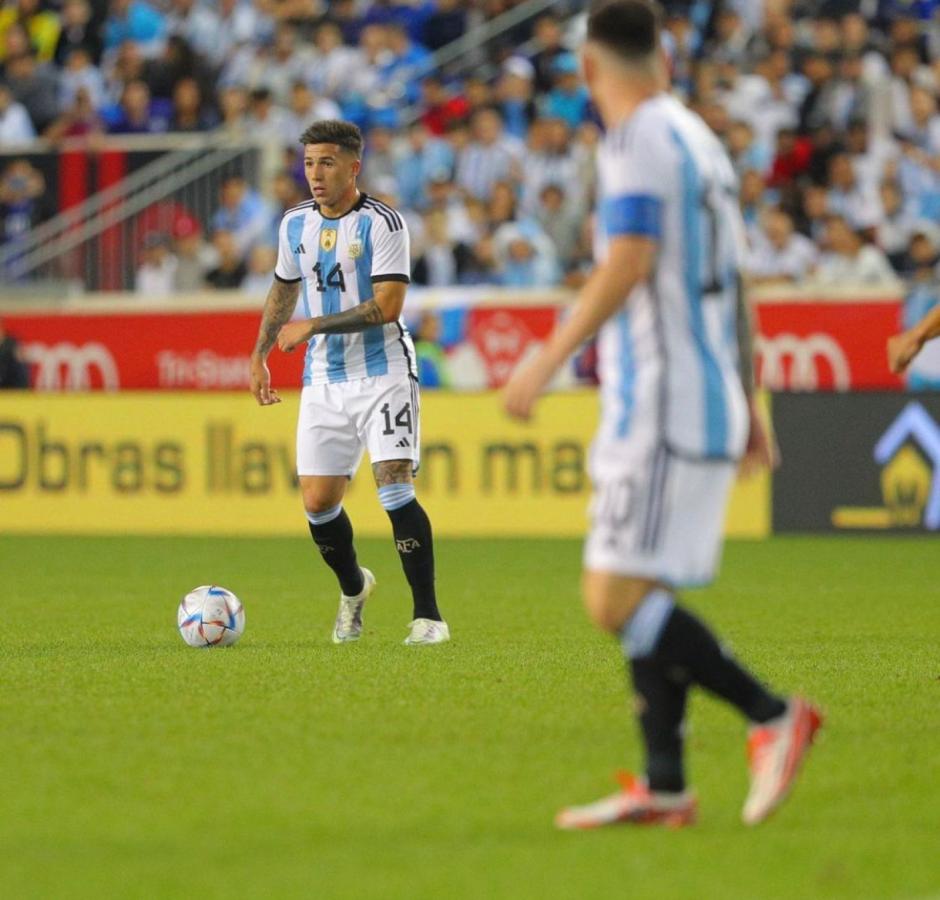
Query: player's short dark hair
point(629, 28)
point(334, 131)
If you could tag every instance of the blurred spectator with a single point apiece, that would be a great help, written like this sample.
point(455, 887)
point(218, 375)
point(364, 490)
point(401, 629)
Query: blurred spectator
point(34, 85)
point(189, 111)
point(233, 110)
point(81, 119)
point(137, 113)
point(79, 31)
point(196, 23)
point(242, 215)
point(814, 208)
point(14, 372)
point(156, 273)
point(16, 127)
point(746, 153)
point(269, 118)
point(239, 23)
point(23, 200)
point(549, 160)
point(230, 269)
point(848, 259)
point(272, 68)
point(175, 61)
point(260, 267)
point(424, 158)
point(194, 258)
point(848, 196)
point(922, 296)
point(42, 25)
point(561, 220)
point(568, 99)
point(433, 367)
point(440, 262)
point(792, 158)
point(515, 93)
point(407, 65)
point(79, 73)
point(335, 64)
point(547, 37)
point(134, 20)
point(524, 256)
point(442, 108)
point(491, 156)
point(379, 163)
point(779, 253)
point(896, 224)
point(447, 23)
point(306, 107)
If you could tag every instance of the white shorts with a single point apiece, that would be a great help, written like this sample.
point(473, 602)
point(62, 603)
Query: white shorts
point(338, 421)
point(662, 518)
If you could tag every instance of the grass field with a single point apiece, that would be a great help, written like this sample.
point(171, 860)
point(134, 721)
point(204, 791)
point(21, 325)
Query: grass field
point(134, 766)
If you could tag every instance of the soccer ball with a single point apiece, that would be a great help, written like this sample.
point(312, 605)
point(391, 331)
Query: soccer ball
point(210, 616)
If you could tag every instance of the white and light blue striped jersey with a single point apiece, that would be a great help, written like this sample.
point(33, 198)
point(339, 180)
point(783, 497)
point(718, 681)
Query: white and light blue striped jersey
point(337, 261)
point(669, 357)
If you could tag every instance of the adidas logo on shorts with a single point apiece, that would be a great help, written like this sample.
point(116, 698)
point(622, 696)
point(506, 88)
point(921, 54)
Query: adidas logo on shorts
point(403, 443)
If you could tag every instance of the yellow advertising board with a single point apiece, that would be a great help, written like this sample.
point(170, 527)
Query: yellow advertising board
point(216, 463)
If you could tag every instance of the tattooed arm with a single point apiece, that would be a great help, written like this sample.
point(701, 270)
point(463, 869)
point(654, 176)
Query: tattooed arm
point(385, 307)
point(282, 298)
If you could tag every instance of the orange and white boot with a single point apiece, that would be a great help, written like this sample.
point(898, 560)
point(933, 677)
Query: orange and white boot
point(634, 803)
point(775, 752)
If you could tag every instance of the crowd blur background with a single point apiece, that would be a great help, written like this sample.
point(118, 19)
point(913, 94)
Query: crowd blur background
point(829, 111)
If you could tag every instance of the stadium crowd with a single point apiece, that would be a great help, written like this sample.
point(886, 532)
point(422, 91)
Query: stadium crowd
point(829, 110)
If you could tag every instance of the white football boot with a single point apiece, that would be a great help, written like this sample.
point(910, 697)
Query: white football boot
point(427, 631)
point(348, 624)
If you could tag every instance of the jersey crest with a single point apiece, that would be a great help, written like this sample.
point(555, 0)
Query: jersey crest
point(327, 239)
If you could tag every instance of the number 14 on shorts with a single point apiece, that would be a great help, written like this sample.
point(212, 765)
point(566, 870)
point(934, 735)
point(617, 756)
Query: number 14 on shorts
point(402, 419)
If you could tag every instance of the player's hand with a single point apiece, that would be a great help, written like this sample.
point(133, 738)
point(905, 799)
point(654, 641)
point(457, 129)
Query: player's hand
point(259, 379)
point(523, 388)
point(292, 334)
point(902, 348)
point(762, 451)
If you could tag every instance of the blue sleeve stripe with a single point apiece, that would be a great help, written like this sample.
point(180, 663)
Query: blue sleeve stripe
point(639, 214)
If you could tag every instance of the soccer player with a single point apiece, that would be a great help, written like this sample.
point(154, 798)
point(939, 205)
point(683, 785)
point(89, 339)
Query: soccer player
point(677, 414)
point(349, 255)
point(903, 347)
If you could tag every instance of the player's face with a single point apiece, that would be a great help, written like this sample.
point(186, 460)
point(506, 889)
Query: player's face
point(331, 173)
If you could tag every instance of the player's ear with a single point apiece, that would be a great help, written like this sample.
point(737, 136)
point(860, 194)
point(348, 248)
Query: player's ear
point(588, 65)
point(356, 167)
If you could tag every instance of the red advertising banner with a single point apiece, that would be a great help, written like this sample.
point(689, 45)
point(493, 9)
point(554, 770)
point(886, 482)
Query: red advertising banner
point(826, 346)
point(173, 350)
point(802, 345)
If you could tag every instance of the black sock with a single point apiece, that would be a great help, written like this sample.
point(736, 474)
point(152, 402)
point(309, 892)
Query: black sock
point(687, 643)
point(412, 530)
point(334, 540)
point(661, 694)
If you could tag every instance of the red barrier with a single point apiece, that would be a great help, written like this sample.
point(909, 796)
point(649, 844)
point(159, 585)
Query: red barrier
point(801, 345)
point(808, 346)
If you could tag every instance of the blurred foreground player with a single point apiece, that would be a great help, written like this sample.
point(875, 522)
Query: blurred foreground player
point(350, 255)
point(675, 419)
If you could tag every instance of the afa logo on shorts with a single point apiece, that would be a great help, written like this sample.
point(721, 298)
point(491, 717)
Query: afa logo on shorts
point(328, 239)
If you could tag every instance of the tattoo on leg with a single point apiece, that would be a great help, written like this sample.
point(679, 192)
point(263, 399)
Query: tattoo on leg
point(392, 471)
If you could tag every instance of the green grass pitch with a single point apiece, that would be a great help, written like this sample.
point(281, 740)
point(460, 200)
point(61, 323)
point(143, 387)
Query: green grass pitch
point(134, 766)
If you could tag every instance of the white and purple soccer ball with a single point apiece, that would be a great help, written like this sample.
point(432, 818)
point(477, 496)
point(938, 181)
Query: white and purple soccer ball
point(210, 616)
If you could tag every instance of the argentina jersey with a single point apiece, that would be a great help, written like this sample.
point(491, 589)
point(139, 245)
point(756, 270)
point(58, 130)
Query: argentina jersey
point(669, 356)
point(337, 261)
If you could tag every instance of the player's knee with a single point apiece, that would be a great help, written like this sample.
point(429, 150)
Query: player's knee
point(318, 502)
point(611, 600)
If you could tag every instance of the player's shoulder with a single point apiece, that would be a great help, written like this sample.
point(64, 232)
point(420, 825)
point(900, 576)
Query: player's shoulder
point(382, 214)
point(647, 131)
point(310, 206)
